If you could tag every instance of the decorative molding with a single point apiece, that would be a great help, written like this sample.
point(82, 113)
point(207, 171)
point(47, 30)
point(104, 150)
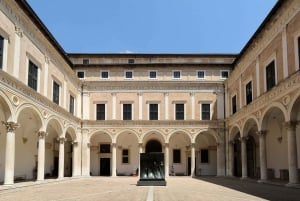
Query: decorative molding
point(10, 126)
point(42, 134)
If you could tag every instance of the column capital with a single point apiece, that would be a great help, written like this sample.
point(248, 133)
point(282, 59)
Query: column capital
point(75, 143)
point(261, 133)
point(42, 134)
point(193, 145)
point(166, 144)
point(290, 125)
point(88, 145)
point(61, 140)
point(166, 93)
point(114, 144)
point(18, 31)
point(192, 94)
point(244, 138)
point(140, 144)
point(47, 59)
point(140, 93)
point(10, 126)
point(113, 94)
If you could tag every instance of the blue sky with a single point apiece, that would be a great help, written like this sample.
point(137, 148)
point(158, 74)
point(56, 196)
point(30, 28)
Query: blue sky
point(152, 26)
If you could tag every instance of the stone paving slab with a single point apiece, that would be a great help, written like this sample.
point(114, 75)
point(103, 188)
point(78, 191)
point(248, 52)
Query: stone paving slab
point(125, 188)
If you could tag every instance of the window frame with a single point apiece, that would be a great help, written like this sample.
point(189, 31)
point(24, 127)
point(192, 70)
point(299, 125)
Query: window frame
point(297, 51)
point(175, 110)
point(201, 110)
point(177, 153)
point(72, 109)
point(149, 73)
point(232, 108)
point(104, 113)
point(102, 148)
point(35, 66)
point(55, 82)
point(104, 71)
point(2, 44)
point(132, 110)
point(5, 37)
point(81, 71)
point(267, 64)
point(149, 113)
point(204, 74)
point(173, 74)
point(125, 74)
point(248, 101)
point(221, 74)
point(126, 156)
point(202, 161)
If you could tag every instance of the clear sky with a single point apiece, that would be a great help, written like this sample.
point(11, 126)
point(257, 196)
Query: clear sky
point(152, 26)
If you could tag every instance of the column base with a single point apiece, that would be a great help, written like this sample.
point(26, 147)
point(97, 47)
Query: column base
point(262, 181)
point(293, 185)
point(8, 185)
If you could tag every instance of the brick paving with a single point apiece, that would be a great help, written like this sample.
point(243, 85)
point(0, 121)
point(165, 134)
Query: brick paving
point(124, 188)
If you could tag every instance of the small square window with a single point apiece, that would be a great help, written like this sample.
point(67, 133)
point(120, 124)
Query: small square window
point(80, 74)
point(176, 74)
point(104, 74)
point(224, 74)
point(104, 148)
point(131, 61)
point(128, 74)
point(125, 156)
point(86, 61)
point(200, 74)
point(152, 75)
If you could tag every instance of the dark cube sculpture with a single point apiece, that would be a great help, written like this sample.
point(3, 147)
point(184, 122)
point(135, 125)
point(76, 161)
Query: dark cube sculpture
point(152, 170)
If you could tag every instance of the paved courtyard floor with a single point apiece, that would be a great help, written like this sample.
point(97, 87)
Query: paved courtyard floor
point(124, 188)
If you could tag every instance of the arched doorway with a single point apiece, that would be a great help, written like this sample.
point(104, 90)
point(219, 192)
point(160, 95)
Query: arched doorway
point(251, 156)
point(153, 146)
point(237, 157)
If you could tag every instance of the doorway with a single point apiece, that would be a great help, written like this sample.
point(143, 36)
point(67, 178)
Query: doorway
point(189, 166)
point(153, 146)
point(237, 159)
point(104, 166)
point(251, 170)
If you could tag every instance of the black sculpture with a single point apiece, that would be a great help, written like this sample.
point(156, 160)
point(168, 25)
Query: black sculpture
point(152, 169)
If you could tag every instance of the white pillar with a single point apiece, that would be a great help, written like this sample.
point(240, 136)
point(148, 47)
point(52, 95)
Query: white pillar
point(85, 154)
point(10, 152)
point(41, 156)
point(61, 163)
point(192, 95)
point(285, 53)
point(114, 105)
point(167, 160)
point(140, 106)
point(244, 157)
point(75, 159)
point(17, 52)
point(114, 160)
point(262, 155)
point(140, 151)
point(230, 158)
point(86, 105)
point(166, 106)
point(46, 75)
point(193, 159)
point(258, 78)
point(221, 159)
point(292, 152)
point(79, 104)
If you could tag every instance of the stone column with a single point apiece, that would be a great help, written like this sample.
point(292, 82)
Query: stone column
point(85, 170)
point(221, 159)
point(75, 159)
point(262, 155)
point(231, 158)
point(114, 160)
point(61, 164)
point(17, 51)
point(244, 157)
point(166, 106)
point(193, 159)
point(46, 75)
point(10, 152)
point(292, 152)
point(167, 160)
point(86, 105)
point(41, 156)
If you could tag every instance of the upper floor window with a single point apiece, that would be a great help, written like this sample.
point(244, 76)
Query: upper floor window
point(205, 111)
point(233, 104)
point(176, 74)
point(125, 156)
point(200, 74)
point(127, 111)
point(1, 51)
point(32, 75)
point(100, 115)
point(298, 52)
point(270, 75)
point(249, 92)
point(104, 74)
point(72, 104)
point(152, 74)
point(128, 74)
point(56, 92)
point(130, 61)
point(179, 111)
point(80, 74)
point(224, 74)
point(153, 111)
point(86, 61)
point(176, 156)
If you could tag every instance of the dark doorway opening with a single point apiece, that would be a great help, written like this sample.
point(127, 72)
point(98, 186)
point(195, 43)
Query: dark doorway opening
point(237, 159)
point(55, 168)
point(251, 157)
point(104, 166)
point(189, 166)
point(153, 146)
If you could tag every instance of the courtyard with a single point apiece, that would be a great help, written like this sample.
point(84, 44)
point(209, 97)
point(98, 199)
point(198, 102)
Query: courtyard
point(124, 188)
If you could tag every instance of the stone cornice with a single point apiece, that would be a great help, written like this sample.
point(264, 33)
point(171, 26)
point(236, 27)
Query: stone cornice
point(16, 85)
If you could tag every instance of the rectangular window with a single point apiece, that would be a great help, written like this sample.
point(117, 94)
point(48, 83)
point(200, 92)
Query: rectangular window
point(104, 74)
point(270, 75)
point(125, 156)
point(71, 107)
point(179, 110)
point(176, 156)
point(130, 61)
point(224, 74)
point(1, 51)
point(233, 104)
point(205, 111)
point(200, 74)
point(128, 74)
point(104, 148)
point(86, 61)
point(100, 112)
point(204, 155)
point(176, 74)
point(32, 75)
point(80, 74)
point(299, 52)
point(55, 92)
point(127, 111)
point(152, 75)
point(249, 92)
point(153, 111)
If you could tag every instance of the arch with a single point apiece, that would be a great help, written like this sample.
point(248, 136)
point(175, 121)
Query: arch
point(179, 131)
point(233, 131)
point(248, 124)
point(295, 103)
point(209, 132)
point(70, 129)
point(271, 109)
point(9, 114)
point(124, 132)
point(56, 122)
point(155, 133)
point(153, 146)
point(97, 132)
point(30, 106)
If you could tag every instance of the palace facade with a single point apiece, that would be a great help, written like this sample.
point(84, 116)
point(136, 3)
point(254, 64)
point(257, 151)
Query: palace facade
point(73, 115)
